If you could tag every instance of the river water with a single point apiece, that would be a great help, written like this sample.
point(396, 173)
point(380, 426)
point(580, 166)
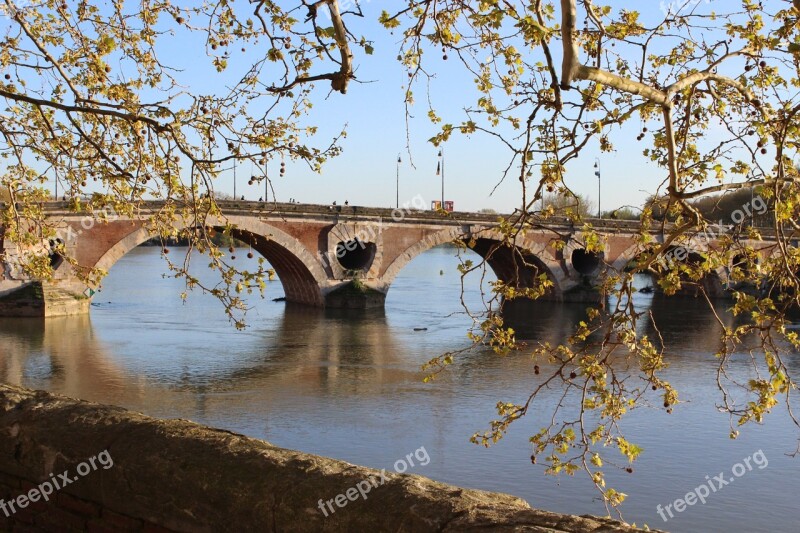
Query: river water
point(350, 387)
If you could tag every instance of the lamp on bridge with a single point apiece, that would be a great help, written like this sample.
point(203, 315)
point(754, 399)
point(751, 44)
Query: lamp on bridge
point(597, 173)
point(438, 166)
point(266, 177)
point(397, 200)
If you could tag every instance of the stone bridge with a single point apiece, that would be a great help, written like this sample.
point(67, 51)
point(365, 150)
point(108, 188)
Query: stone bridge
point(337, 256)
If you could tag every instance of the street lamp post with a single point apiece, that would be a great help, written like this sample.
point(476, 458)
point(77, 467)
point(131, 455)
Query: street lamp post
point(397, 199)
point(597, 173)
point(441, 157)
point(234, 180)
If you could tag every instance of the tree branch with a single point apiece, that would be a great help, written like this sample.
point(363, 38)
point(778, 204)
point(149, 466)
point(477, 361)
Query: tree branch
point(130, 117)
point(339, 83)
point(570, 63)
point(342, 77)
point(622, 84)
point(698, 77)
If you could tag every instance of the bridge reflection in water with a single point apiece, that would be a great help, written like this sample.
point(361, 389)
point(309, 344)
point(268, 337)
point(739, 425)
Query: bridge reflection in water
point(301, 349)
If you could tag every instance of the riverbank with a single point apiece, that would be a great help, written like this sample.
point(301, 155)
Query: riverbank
point(139, 473)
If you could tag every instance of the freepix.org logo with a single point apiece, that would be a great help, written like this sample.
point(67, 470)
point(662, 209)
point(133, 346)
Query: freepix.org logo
point(712, 485)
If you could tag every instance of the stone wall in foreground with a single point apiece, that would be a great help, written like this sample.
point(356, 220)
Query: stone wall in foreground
point(181, 476)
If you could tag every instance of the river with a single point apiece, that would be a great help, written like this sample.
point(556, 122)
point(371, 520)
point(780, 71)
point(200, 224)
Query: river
point(349, 386)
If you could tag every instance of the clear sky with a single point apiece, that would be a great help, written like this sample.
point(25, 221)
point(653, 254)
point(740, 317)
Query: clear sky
point(374, 111)
point(365, 174)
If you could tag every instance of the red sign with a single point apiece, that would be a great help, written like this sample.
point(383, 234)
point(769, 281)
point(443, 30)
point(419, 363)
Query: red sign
point(437, 204)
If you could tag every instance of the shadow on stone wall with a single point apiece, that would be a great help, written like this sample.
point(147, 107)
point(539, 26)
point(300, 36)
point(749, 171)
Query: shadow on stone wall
point(178, 475)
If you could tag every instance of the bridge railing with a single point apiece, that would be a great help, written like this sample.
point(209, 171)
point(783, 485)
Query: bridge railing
point(399, 214)
point(409, 215)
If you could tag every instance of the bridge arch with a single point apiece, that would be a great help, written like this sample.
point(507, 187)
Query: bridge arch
point(506, 262)
point(300, 273)
point(626, 258)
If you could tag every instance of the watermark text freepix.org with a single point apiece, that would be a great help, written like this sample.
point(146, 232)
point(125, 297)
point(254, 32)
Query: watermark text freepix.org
point(46, 488)
point(712, 485)
point(756, 206)
point(64, 236)
point(370, 232)
point(362, 488)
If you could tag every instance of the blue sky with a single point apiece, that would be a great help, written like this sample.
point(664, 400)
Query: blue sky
point(374, 112)
point(375, 116)
point(365, 174)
